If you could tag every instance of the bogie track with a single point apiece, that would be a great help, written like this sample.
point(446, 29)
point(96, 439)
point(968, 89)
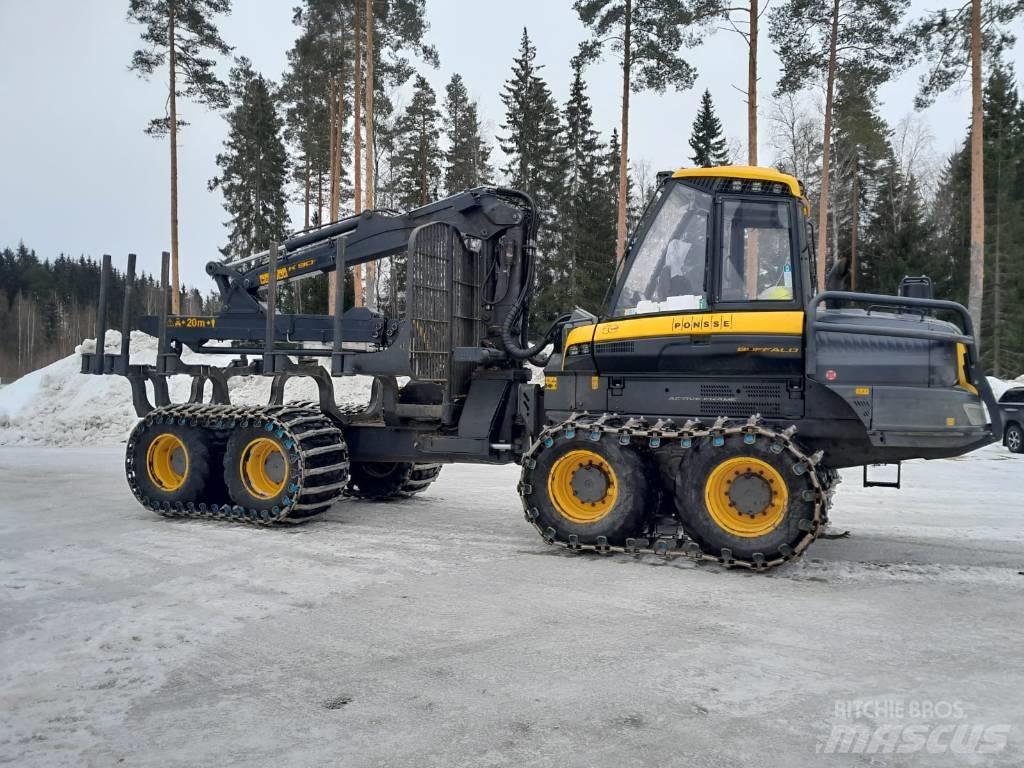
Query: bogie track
point(309, 444)
point(810, 483)
point(390, 480)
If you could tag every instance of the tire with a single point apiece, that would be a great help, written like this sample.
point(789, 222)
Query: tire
point(589, 489)
point(380, 480)
point(744, 498)
point(172, 464)
point(260, 472)
point(1014, 438)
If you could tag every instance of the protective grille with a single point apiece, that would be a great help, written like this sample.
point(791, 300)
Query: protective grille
point(614, 348)
point(442, 305)
point(742, 400)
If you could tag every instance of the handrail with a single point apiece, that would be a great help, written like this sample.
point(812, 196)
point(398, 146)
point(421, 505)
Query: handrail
point(967, 338)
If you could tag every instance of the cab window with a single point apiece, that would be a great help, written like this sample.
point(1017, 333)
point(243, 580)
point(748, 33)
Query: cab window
point(667, 272)
point(757, 253)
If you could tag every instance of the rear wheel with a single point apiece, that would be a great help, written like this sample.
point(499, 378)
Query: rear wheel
point(1014, 438)
point(590, 489)
point(382, 480)
point(172, 463)
point(745, 498)
point(259, 470)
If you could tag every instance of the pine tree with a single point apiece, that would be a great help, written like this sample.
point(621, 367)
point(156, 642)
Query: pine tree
point(815, 39)
point(466, 162)
point(706, 140)
point(182, 35)
point(953, 43)
point(419, 152)
point(649, 34)
point(253, 167)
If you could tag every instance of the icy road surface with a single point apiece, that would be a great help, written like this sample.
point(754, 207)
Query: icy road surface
point(441, 631)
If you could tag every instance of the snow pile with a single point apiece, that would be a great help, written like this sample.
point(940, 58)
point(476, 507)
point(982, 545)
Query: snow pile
point(999, 385)
point(58, 405)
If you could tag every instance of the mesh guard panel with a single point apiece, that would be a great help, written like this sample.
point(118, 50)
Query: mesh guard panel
point(442, 306)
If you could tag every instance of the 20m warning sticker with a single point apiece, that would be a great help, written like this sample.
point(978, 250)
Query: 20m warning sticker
point(191, 322)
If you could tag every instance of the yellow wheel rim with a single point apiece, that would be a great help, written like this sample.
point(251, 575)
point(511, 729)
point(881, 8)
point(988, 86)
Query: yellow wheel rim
point(582, 486)
point(746, 497)
point(167, 462)
point(263, 468)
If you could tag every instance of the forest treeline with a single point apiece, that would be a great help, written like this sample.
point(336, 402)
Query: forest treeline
point(48, 306)
point(353, 123)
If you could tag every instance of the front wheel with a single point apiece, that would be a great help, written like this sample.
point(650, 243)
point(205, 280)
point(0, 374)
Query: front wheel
point(590, 489)
point(1014, 438)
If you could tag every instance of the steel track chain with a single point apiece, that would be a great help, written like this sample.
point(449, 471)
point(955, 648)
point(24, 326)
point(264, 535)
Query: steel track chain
point(663, 432)
point(306, 432)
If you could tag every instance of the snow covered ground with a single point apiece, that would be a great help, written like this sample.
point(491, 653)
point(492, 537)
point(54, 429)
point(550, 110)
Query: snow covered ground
point(441, 631)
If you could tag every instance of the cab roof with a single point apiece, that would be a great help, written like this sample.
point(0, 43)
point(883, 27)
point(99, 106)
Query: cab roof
point(752, 172)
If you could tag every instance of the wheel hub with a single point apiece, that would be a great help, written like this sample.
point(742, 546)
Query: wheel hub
point(750, 494)
point(746, 496)
point(264, 469)
point(167, 462)
point(582, 486)
point(589, 484)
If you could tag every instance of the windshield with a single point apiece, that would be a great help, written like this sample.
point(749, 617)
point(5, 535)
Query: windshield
point(667, 273)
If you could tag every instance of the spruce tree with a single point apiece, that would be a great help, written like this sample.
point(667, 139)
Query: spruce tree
point(897, 239)
point(466, 162)
point(861, 153)
point(532, 145)
point(587, 217)
point(253, 166)
point(531, 128)
point(706, 139)
point(949, 222)
point(181, 35)
point(1003, 319)
point(419, 153)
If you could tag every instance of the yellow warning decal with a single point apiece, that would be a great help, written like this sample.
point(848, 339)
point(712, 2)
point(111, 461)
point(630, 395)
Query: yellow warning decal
point(550, 382)
point(191, 322)
point(284, 273)
point(862, 391)
point(595, 382)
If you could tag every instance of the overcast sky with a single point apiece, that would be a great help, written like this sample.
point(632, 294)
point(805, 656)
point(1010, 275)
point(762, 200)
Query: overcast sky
point(77, 174)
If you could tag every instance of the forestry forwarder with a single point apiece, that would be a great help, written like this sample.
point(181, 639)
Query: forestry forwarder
point(704, 414)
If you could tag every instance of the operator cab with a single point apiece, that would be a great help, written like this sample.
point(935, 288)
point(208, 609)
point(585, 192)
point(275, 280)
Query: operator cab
point(723, 238)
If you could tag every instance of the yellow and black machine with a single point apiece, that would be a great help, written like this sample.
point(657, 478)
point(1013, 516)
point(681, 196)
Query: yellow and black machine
point(704, 414)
